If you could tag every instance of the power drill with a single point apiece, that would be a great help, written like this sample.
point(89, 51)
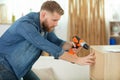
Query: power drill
point(78, 42)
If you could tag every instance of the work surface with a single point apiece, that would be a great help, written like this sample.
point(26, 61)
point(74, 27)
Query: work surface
point(49, 68)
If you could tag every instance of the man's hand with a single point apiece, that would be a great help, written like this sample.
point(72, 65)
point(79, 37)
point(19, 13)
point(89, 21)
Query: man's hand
point(87, 60)
point(69, 45)
point(77, 50)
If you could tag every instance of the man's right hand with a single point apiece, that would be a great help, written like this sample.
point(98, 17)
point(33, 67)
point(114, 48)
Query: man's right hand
point(87, 60)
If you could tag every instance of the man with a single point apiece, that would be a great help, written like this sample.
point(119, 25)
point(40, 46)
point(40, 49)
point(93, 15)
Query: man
point(21, 45)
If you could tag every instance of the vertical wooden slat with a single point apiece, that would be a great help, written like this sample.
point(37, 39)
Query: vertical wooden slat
point(75, 16)
point(97, 26)
point(91, 22)
point(103, 22)
point(84, 18)
point(88, 21)
point(81, 18)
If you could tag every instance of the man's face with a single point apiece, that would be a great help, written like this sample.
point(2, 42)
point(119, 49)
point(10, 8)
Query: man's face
point(50, 21)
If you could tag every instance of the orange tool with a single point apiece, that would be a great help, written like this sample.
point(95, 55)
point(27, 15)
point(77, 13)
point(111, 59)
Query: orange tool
point(78, 42)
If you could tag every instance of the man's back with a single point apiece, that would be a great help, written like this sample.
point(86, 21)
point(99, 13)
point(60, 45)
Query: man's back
point(16, 50)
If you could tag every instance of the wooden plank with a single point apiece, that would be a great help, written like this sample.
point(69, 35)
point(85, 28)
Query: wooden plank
point(107, 63)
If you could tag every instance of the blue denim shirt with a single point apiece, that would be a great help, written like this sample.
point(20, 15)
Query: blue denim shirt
point(22, 44)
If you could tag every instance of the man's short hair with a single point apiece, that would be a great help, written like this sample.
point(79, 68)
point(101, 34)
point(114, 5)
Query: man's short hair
point(52, 6)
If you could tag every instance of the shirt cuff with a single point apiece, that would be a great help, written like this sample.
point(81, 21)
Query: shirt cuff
point(59, 54)
point(62, 43)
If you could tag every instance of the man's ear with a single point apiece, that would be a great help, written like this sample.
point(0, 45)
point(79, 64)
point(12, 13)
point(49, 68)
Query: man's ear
point(43, 14)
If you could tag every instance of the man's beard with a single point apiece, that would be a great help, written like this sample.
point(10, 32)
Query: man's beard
point(46, 27)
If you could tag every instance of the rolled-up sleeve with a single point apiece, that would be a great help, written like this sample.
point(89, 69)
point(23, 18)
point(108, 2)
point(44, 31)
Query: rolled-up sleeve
point(32, 35)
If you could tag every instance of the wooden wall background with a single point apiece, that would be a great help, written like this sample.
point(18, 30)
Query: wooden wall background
point(87, 20)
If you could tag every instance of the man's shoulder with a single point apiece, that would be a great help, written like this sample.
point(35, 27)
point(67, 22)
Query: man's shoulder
point(32, 13)
point(30, 17)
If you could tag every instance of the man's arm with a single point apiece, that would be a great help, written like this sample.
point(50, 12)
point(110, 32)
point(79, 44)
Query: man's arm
point(87, 60)
point(32, 35)
point(54, 39)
